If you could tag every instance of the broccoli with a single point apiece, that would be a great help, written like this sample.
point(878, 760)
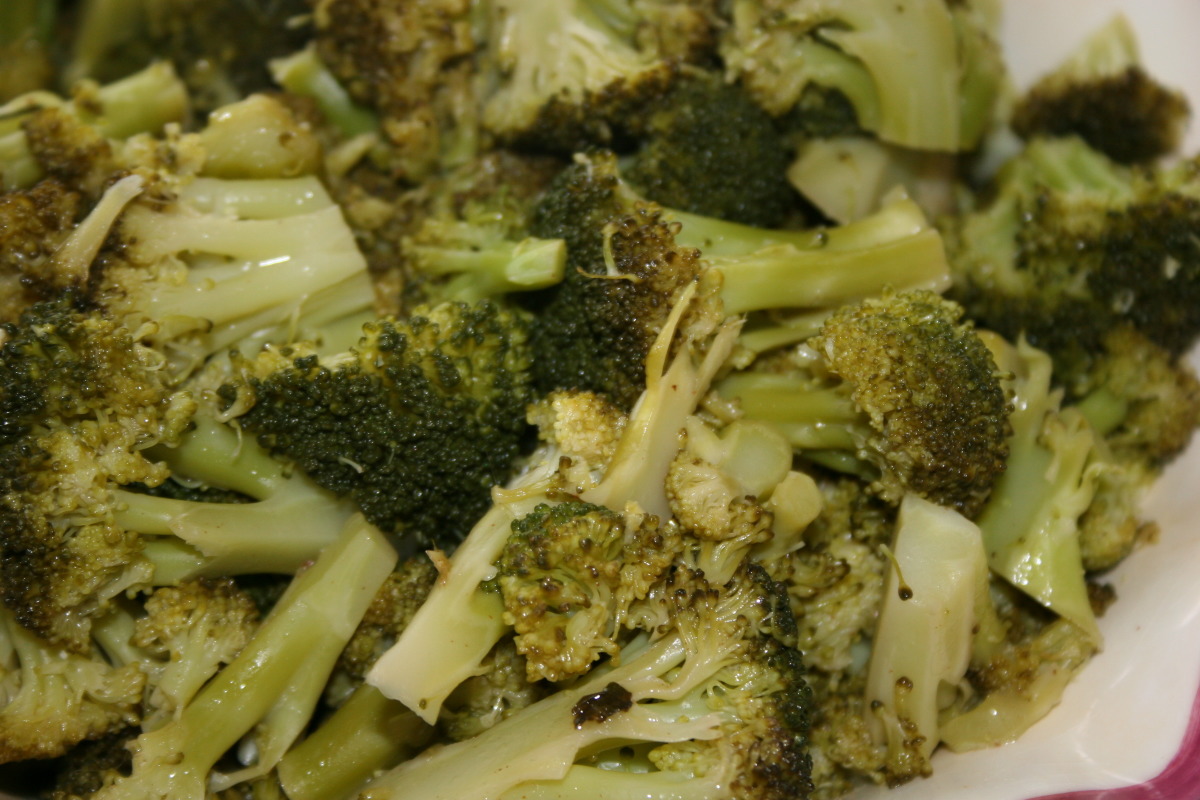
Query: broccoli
point(42, 133)
point(273, 684)
point(52, 698)
point(716, 696)
point(896, 388)
point(918, 74)
point(415, 423)
point(1071, 245)
point(628, 260)
point(1030, 522)
point(220, 49)
point(26, 28)
point(34, 223)
point(1102, 94)
point(935, 604)
point(81, 401)
point(706, 148)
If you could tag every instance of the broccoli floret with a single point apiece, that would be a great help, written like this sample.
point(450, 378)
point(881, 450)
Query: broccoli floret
point(1102, 94)
point(624, 275)
point(91, 764)
point(717, 696)
point(707, 148)
point(501, 689)
point(916, 74)
point(414, 66)
point(1072, 245)
point(897, 388)
point(568, 574)
point(188, 633)
point(51, 699)
point(81, 401)
point(42, 134)
point(415, 423)
point(273, 684)
point(34, 223)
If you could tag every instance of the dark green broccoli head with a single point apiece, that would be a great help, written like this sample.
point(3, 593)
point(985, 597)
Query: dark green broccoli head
point(80, 401)
point(624, 272)
point(1128, 116)
point(708, 149)
point(415, 424)
point(930, 388)
point(1073, 245)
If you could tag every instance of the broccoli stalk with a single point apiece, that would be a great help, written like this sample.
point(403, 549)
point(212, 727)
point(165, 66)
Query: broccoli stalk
point(291, 521)
point(935, 606)
point(1030, 523)
point(276, 679)
point(484, 263)
point(719, 696)
point(367, 734)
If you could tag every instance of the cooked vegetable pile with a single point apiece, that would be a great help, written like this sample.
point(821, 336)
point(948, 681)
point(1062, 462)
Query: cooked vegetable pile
point(546, 399)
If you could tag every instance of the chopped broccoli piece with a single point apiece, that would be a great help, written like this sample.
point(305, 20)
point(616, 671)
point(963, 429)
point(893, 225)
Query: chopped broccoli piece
point(1102, 94)
point(1072, 245)
point(52, 699)
point(717, 694)
point(415, 423)
point(708, 149)
point(935, 601)
point(80, 402)
point(897, 388)
point(917, 74)
point(272, 685)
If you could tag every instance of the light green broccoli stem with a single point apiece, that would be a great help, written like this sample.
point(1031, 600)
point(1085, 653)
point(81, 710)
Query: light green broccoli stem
point(459, 623)
point(934, 597)
point(1030, 522)
point(649, 442)
point(143, 102)
point(369, 733)
point(543, 740)
point(810, 418)
point(103, 27)
point(303, 73)
point(292, 520)
point(894, 248)
point(298, 644)
point(487, 269)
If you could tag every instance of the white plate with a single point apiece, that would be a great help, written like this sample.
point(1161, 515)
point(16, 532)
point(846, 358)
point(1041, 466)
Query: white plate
point(1129, 727)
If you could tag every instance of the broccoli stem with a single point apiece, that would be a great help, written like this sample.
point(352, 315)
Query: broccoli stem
point(304, 74)
point(458, 624)
point(367, 734)
point(809, 418)
point(1030, 522)
point(895, 248)
point(300, 639)
point(292, 520)
point(494, 269)
point(542, 741)
point(933, 600)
